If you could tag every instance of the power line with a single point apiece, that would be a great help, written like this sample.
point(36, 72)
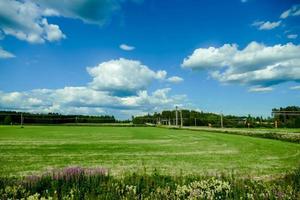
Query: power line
point(286, 112)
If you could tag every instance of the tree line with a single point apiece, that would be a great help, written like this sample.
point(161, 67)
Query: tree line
point(11, 117)
point(196, 118)
point(288, 117)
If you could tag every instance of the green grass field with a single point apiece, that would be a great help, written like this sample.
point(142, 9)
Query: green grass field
point(38, 148)
point(272, 130)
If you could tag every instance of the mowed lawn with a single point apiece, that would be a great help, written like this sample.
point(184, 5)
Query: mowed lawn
point(120, 149)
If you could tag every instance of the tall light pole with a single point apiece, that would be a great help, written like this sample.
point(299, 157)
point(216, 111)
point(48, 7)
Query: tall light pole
point(176, 116)
point(181, 120)
point(222, 120)
point(22, 119)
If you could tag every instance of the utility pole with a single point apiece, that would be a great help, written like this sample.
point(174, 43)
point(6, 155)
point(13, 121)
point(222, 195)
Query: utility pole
point(176, 116)
point(181, 120)
point(195, 121)
point(22, 119)
point(261, 120)
point(222, 120)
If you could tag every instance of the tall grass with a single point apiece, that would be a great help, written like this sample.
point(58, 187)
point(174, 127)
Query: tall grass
point(83, 183)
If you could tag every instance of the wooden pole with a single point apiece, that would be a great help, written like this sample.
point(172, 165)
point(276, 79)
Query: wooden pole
point(222, 121)
point(176, 116)
point(22, 119)
point(181, 120)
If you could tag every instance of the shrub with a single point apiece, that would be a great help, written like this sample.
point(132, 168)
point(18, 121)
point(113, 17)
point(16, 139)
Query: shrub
point(83, 183)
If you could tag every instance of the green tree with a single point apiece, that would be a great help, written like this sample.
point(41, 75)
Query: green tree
point(7, 120)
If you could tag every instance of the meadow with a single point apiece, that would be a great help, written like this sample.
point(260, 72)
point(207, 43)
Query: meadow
point(36, 149)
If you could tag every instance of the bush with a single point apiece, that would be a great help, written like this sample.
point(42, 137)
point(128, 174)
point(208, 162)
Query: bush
point(82, 183)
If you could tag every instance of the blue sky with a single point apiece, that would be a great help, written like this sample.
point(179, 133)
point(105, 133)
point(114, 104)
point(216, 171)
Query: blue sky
point(235, 57)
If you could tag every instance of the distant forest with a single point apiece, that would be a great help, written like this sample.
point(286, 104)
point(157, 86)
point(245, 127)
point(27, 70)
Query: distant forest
point(288, 117)
point(195, 118)
point(285, 117)
point(10, 117)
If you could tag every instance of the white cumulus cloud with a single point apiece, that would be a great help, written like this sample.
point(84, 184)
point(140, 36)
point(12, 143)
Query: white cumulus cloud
point(24, 20)
point(89, 11)
point(27, 20)
point(52, 31)
point(5, 54)
point(175, 79)
point(123, 76)
point(85, 100)
point(129, 78)
point(126, 47)
point(256, 64)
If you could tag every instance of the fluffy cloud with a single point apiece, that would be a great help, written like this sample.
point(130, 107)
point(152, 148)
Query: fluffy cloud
point(24, 20)
point(210, 57)
point(5, 54)
point(102, 95)
point(27, 20)
point(123, 76)
point(256, 64)
point(175, 79)
point(126, 47)
point(262, 25)
point(52, 31)
point(89, 11)
point(156, 101)
point(84, 100)
point(293, 11)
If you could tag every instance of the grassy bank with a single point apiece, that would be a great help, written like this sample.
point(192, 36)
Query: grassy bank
point(80, 183)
